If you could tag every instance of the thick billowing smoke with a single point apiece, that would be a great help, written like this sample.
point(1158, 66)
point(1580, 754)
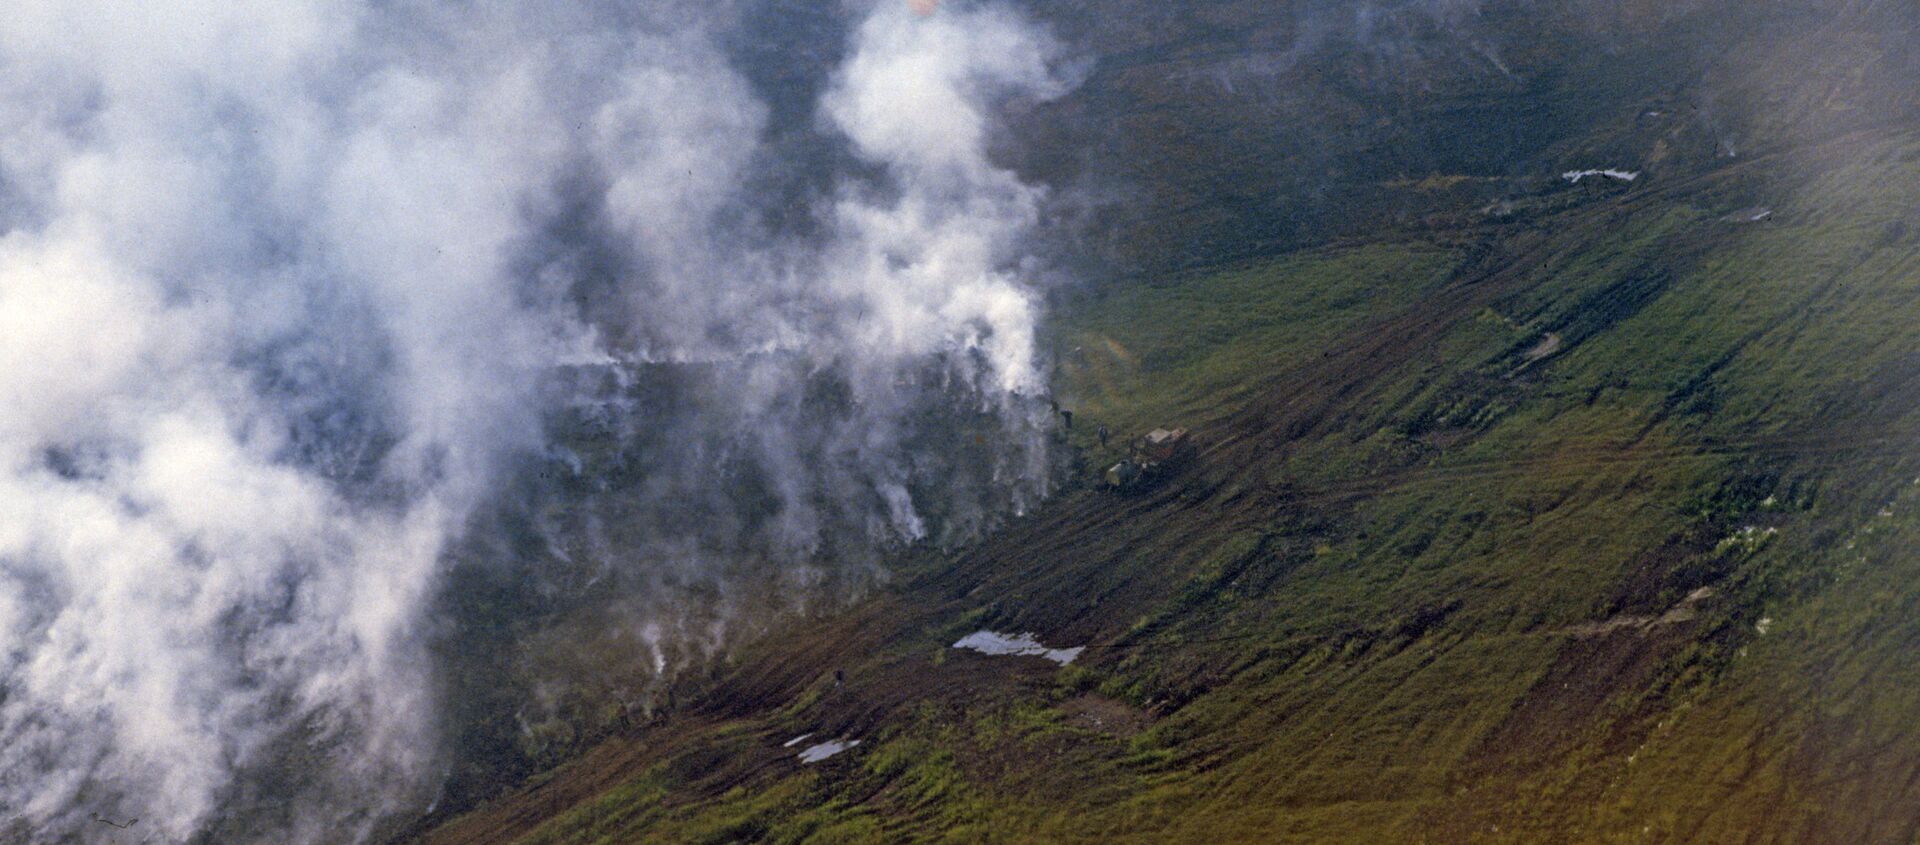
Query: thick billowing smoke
point(296, 296)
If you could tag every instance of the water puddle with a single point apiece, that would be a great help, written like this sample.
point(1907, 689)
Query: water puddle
point(1575, 176)
point(816, 753)
point(990, 642)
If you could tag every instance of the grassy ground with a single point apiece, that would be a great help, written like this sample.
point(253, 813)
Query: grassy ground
point(1597, 525)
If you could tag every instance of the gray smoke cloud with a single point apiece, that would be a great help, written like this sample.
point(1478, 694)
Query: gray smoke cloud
point(295, 298)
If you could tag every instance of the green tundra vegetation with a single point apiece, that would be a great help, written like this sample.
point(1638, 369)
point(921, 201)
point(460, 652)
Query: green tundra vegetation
point(1594, 517)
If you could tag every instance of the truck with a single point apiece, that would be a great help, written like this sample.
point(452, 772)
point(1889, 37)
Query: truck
point(1148, 458)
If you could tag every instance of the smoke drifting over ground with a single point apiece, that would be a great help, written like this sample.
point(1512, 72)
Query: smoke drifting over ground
point(303, 303)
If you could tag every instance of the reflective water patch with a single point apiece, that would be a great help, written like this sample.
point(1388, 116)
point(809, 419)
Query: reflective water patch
point(990, 642)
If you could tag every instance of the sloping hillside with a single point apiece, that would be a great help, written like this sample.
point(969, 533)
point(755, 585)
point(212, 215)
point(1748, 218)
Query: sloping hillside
point(1587, 516)
point(1593, 526)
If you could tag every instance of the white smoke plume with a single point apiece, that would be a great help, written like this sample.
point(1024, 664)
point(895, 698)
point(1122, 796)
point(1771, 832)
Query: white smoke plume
point(292, 293)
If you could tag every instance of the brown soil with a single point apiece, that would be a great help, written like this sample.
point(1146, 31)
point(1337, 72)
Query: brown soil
point(1106, 715)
